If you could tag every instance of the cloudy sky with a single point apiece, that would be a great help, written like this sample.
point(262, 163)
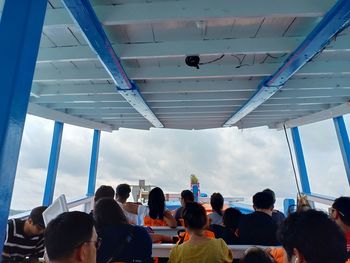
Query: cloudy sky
point(231, 161)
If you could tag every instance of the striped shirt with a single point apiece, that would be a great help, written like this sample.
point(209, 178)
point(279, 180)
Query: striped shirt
point(17, 246)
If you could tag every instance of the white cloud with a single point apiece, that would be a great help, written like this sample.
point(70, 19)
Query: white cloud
point(234, 162)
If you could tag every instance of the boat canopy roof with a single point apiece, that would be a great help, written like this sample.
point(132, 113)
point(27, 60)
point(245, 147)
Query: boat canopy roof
point(241, 45)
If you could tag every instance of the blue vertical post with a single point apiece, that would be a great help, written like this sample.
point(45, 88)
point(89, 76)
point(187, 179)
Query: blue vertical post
point(20, 31)
point(304, 180)
point(343, 139)
point(94, 163)
point(53, 163)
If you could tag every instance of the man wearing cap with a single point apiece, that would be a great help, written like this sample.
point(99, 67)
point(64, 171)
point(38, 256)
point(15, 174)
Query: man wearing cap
point(340, 212)
point(24, 239)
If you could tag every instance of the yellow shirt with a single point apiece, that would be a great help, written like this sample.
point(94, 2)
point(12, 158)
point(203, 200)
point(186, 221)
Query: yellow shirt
point(211, 251)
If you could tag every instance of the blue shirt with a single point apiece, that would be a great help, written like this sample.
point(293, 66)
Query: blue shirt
point(139, 248)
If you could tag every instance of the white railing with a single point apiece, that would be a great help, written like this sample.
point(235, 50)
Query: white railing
point(322, 199)
point(163, 250)
point(87, 201)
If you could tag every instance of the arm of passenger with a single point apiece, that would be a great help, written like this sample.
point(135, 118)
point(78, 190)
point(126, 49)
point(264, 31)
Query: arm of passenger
point(131, 207)
point(157, 238)
point(169, 219)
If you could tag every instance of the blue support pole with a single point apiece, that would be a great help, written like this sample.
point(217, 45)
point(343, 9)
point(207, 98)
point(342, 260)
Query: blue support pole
point(343, 139)
point(304, 180)
point(20, 31)
point(94, 163)
point(53, 163)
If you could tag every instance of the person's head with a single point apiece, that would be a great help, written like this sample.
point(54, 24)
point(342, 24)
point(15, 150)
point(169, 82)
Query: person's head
point(71, 237)
point(340, 212)
point(186, 196)
point(195, 216)
point(231, 218)
point(263, 201)
point(107, 212)
point(312, 237)
point(272, 193)
point(256, 255)
point(156, 203)
point(217, 202)
point(35, 225)
point(104, 191)
point(122, 192)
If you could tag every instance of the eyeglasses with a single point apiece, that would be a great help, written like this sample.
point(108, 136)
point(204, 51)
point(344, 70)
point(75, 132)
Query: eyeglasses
point(97, 242)
point(331, 210)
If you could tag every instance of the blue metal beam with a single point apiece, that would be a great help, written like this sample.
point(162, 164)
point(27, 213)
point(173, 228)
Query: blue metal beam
point(53, 163)
point(20, 31)
point(304, 180)
point(332, 23)
point(343, 139)
point(84, 15)
point(94, 163)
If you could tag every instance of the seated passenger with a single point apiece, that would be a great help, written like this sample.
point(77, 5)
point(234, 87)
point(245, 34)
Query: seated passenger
point(311, 237)
point(71, 238)
point(120, 241)
point(199, 248)
point(155, 213)
point(122, 193)
point(24, 239)
point(217, 203)
point(258, 228)
point(186, 197)
point(277, 216)
point(104, 191)
point(229, 230)
point(340, 212)
point(256, 255)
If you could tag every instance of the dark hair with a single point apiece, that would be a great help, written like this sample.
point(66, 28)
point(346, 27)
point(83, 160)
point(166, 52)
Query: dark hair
point(256, 255)
point(217, 202)
point(194, 216)
point(156, 203)
point(104, 191)
point(123, 191)
point(187, 196)
point(66, 232)
point(263, 200)
point(231, 218)
point(107, 212)
point(315, 236)
point(269, 191)
point(36, 215)
point(342, 205)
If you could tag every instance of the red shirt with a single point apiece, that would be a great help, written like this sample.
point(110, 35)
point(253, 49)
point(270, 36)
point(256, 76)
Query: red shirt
point(347, 235)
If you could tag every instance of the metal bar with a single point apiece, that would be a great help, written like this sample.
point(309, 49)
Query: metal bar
point(85, 17)
point(53, 163)
point(19, 43)
point(304, 180)
point(332, 23)
point(343, 139)
point(94, 163)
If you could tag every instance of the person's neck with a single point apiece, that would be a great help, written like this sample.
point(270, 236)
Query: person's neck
point(122, 201)
point(344, 228)
point(266, 211)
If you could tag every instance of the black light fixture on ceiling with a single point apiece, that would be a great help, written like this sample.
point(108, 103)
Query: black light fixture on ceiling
point(192, 61)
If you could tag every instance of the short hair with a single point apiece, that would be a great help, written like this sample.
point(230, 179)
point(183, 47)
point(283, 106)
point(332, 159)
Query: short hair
point(263, 200)
point(104, 191)
point(194, 216)
point(123, 191)
point(107, 212)
point(187, 196)
point(156, 203)
point(315, 236)
point(269, 191)
point(342, 205)
point(231, 218)
point(217, 202)
point(36, 215)
point(256, 255)
point(66, 232)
